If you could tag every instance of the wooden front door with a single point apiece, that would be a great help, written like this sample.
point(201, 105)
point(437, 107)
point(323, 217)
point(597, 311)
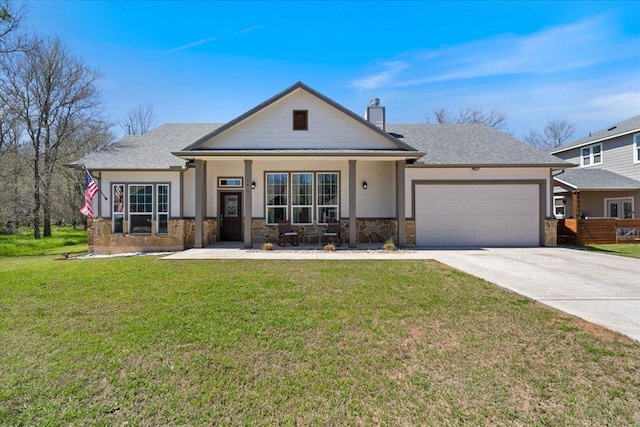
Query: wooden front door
point(230, 216)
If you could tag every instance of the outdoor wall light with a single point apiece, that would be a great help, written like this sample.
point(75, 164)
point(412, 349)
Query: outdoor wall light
point(364, 184)
point(253, 185)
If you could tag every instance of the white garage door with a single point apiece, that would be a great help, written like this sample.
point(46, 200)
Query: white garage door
point(477, 215)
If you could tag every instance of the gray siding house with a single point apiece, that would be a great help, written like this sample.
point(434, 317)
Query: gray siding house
point(606, 184)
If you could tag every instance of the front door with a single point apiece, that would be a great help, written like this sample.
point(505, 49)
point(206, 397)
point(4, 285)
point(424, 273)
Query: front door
point(621, 208)
point(230, 216)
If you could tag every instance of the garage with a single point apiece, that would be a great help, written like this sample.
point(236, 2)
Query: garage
point(495, 214)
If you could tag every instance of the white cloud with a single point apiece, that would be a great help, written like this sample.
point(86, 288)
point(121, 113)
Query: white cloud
point(211, 39)
point(567, 47)
point(390, 70)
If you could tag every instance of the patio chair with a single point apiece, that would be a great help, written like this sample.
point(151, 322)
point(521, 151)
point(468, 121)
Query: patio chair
point(332, 233)
point(286, 234)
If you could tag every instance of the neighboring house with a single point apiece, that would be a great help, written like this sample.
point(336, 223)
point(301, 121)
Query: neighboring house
point(300, 156)
point(607, 182)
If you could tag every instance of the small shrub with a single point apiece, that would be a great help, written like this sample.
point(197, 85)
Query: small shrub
point(329, 247)
point(389, 246)
point(267, 246)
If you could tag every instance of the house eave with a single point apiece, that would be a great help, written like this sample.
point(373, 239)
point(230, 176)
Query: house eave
point(595, 141)
point(221, 154)
point(491, 165)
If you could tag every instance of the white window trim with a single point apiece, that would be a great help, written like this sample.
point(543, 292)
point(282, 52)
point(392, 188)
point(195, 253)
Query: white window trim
point(591, 161)
point(155, 213)
point(636, 148)
point(619, 199)
point(120, 214)
point(315, 206)
point(564, 206)
point(293, 206)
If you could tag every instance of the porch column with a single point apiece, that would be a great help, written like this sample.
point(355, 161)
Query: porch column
point(248, 209)
point(575, 204)
point(400, 203)
point(353, 224)
point(201, 201)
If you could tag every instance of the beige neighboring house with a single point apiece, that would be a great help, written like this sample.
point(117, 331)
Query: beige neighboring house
point(301, 157)
point(607, 182)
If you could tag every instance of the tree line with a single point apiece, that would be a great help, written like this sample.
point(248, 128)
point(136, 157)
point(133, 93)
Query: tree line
point(50, 115)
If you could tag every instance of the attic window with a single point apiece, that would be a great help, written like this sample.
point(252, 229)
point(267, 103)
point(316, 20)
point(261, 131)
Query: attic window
point(300, 120)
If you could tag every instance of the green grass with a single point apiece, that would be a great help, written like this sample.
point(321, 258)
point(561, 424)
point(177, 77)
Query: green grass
point(627, 249)
point(63, 240)
point(151, 342)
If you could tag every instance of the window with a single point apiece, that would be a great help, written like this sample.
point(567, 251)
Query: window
point(277, 203)
point(140, 208)
point(300, 120)
point(636, 148)
point(143, 204)
point(591, 155)
point(328, 196)
point(302, 198)
point(558, 206)
point(313, 197)
point(162, 212)
point(117, 198)
point(229, 182)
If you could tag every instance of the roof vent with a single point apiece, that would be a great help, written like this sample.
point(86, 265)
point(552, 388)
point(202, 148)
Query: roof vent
point(375, 113)
point(612, 128)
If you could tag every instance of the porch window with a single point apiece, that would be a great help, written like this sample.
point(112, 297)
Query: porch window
point(328, 196)
point(117, 208)
point(636, 148)
point(619, 208)
point(591, 155)
point(140, 208)
point(558, 206)
point(302, 198)
point(163, 209)
point(277, 202)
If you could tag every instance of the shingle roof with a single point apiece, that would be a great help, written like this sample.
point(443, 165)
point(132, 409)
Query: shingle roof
point(149, 151)
point(624, 127)
point(444, 144)
point(596, 179)
point(471, 144)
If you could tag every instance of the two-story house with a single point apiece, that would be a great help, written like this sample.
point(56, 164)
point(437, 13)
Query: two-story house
point(607, 182)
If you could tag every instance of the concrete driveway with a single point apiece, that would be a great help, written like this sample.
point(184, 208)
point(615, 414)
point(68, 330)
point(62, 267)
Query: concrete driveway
point(600, 288)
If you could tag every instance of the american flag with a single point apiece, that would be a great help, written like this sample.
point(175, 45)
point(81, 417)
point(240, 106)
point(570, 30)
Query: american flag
point(90, 190)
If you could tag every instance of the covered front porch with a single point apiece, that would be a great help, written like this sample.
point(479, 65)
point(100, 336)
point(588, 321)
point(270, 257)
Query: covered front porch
point(243, 199)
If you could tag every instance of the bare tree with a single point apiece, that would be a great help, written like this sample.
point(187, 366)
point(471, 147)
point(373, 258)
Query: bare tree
point(53, 95)
point(139, 120)
point(554, 134)
point(494, 118)
point(11, 17)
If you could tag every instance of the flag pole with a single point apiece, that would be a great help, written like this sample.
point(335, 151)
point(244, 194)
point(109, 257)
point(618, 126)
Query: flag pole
point(99, 189)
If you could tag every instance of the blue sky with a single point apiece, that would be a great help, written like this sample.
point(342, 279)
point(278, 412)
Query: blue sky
point(212, 61)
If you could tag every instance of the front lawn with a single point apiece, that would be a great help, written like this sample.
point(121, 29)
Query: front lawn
point(626, 249)
point(63, 240)
point(150, 342)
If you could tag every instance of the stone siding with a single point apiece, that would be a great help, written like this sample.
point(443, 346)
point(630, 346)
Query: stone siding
point(180, 235)
point(551, 232)
point(410, 232)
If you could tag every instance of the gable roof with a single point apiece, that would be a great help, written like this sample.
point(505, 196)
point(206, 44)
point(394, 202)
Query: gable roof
point(149, 151)
point(297, 86)
point(471, 145)
point(596, 179)
point(619, 129)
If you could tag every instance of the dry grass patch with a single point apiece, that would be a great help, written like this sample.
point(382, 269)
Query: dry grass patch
point(152, 342)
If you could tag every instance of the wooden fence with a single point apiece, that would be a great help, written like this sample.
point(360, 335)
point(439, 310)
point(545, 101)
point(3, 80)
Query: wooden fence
point(598, 230)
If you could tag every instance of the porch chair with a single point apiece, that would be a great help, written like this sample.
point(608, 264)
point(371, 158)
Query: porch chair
point(286, 234)
point(332, 233)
